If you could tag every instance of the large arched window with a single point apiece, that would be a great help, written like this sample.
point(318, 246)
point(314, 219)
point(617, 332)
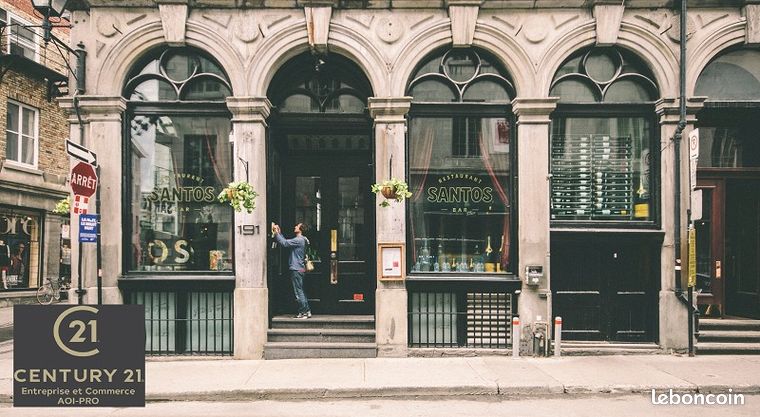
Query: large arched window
point(178, 161)
point(319, 84)
point(460, 150)
point(728, 125)
point(603, 141)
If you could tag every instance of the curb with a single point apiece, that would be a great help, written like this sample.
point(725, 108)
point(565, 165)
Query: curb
point(525, 392)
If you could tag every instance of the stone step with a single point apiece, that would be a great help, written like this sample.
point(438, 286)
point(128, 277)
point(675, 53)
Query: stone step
point(728, 348)
point(729, 336)
point(582, 348)
point(324, 322)
point(301, 350)
point(322, 335)
point(729, 324)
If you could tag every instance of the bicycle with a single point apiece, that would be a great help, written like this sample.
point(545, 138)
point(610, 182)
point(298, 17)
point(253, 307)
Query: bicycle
point(49, 291)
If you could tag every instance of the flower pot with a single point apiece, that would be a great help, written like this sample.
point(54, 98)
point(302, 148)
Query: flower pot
point(388, 192)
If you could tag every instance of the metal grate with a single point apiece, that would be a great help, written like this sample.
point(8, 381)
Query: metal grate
point(186, 322)
point(460, 319)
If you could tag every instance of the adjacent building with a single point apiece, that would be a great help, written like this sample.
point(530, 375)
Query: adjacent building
point(536, 139)
point(33, 163)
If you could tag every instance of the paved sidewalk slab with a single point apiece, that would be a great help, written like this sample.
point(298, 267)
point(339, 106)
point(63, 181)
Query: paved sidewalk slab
point(235, 380)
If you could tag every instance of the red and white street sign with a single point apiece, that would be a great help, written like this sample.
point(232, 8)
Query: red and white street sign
point(84, 180)
point(80, 204)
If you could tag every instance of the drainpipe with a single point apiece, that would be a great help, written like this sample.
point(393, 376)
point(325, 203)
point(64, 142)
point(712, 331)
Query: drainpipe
point(677, 174)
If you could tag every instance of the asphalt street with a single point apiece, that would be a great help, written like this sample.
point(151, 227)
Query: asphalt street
point(618, 406)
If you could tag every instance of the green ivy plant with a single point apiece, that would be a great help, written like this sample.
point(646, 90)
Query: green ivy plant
point(239, 195)
point(392, 189)
point(63, 206)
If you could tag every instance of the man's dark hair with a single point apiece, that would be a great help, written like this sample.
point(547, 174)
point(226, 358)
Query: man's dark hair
point(302, 227)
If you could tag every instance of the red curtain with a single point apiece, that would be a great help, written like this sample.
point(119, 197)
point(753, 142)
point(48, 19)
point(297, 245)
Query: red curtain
point(502, 193)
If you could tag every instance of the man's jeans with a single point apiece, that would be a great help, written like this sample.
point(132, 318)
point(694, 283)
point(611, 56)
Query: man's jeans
point(303, 304)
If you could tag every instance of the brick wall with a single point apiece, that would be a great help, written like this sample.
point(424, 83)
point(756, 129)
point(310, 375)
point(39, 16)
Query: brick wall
point(53, 124)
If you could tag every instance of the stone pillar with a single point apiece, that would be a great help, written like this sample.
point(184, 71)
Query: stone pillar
point(533, 204)
point(390, 154)
point(103, 118)
point(251, 297)
point(673, 314)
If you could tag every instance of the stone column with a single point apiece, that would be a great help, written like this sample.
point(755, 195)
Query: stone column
point(533, 204)
point(390, 150)
point(103, 118)
point(673, 314)
point(251, 297)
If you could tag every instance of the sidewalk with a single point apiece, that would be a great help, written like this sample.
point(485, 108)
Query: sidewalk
point(233, 380)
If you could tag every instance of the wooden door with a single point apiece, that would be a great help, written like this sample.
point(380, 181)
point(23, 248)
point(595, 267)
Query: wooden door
point(710, 256)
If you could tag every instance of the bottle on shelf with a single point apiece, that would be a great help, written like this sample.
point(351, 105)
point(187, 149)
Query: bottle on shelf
point(490, 261)
point(500, 256)
point(425, 257)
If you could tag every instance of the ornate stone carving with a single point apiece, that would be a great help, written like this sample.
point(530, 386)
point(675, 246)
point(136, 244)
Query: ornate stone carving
point(245, 27)
point(174, 22)
point(389, 30)
point(535, 30)
point(108, 26)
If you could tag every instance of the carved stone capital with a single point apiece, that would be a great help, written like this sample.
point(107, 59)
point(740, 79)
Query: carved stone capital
point(389, 109)
point(668, 109)
point(94, 108)
point(534, 110)
point(249, 109)
point(751, 13)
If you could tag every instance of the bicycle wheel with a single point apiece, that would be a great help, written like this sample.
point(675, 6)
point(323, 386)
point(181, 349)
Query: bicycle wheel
point(44, 295)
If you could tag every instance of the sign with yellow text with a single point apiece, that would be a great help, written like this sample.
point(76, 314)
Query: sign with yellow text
point(79, 356)
point(692, 257)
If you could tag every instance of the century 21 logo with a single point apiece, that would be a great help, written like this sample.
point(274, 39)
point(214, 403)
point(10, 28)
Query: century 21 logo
point(80, 336)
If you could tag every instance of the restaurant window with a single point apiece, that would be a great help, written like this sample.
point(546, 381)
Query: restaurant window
point(180, 158)
point(603, 138)
point(460, 151)
point(19, 249)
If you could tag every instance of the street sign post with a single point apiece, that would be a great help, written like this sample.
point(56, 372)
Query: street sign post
point(88, 228)
point(84, 180)
point(81, 153)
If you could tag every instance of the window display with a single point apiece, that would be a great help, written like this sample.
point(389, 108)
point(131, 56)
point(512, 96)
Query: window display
point(19, 249)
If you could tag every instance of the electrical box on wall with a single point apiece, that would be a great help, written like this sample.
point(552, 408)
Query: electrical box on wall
point(534, 275)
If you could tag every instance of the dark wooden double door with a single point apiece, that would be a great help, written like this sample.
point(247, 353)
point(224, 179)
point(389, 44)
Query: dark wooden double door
point(331, 194)
point(728, 245)
point(605, 286)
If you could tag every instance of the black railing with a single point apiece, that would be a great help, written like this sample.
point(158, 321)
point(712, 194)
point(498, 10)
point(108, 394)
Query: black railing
point(186, 322)
point(467, 316)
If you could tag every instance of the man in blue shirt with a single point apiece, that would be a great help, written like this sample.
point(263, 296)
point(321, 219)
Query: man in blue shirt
point(297, 246)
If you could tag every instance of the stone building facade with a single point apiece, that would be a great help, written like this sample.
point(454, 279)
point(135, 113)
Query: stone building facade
point(34, 164)
point(325, 97)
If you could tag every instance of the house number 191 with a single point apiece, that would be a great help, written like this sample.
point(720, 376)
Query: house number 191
point(248, 229)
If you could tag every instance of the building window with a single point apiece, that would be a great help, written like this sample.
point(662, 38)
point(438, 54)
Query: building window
point(22, 40)
point(21, 133)
point(180, 158)
point(603, 138)
point(460, 155)
point(19, 249)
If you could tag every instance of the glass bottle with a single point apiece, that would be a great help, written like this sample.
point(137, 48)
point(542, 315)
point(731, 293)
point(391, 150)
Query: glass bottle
point(490, 262)
point(425, 257)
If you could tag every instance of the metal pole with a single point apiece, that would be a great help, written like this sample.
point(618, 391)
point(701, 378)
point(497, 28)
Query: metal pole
point(557, 336)
point(80, 291)
point(515, 337)
point(99, 234)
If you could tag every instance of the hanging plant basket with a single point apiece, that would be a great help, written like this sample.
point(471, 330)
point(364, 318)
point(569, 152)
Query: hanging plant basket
point(63, 206)
point(392, 189)
point(240, 195)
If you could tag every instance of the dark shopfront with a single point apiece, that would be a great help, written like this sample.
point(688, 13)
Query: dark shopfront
point(604, 158)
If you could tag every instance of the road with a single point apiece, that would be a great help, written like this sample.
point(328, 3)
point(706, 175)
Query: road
point(618, 406)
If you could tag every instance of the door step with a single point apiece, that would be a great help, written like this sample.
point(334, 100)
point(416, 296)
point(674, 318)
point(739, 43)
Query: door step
point(595, 348)
point(321, 337)
point(729, 337)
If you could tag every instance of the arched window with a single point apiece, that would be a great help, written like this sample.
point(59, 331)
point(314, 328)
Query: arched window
point(179, 160)
point(319, 84)
point(460, 152)
point(603, 139)
point(728, 125)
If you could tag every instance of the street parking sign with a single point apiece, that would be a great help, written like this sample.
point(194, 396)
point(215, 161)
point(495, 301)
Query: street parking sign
point(84, 180)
